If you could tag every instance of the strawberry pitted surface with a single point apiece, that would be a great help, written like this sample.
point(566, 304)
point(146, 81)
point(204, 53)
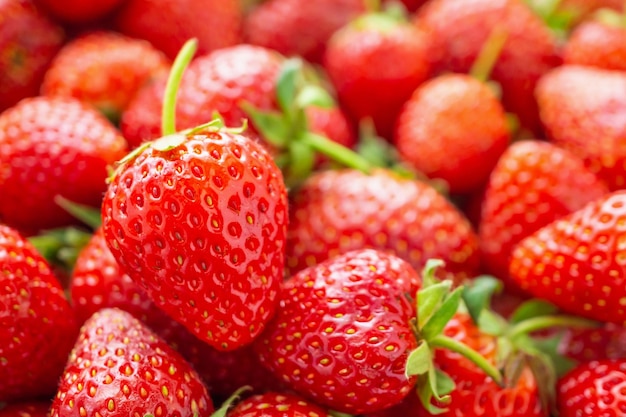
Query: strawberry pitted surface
point(37, 324)
point(201, 225)
point(277, 405)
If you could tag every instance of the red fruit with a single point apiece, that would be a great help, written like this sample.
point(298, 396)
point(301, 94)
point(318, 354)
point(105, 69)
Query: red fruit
point(104, 69)
point(453, 128)
point(200, 222)
point(533, 184)
point(586, 345)
point(26, 409)
point(581, 10)
point(79, 11)
point(593, 389)
point(338, 211)
point(169, 24)
point(299, 27)
point(37, 325)
point(275, 404)
point(342, 336)
point(119, 367)
point(460, 28)
point(596, 44)
point(28, 42)
point(375, 63)
point(331, 122)
point(584, 110)
point(578, 262)
point(53, 146)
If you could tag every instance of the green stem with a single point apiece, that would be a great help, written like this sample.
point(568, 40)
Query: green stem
point(545, 322)
point(168, 113)
point(489, 53)
point(453, 345)
point(336, 152)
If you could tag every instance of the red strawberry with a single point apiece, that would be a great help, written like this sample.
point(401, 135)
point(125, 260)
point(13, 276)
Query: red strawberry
point(597, 44)
point(118, 367)
point(586, 345)
point(577, 262)
point(78, 11)
point(53, 146)
point(169, 24)
point(460, 28)
point(199, 220)
point(105, 69)
point(338, 211)
point(28, 43)
point(375, 63)
point(593, 389)
point(275, 404)
point(299, 27)
point(584, 110)
point(37, 325)
point(342, 336)
point(331, 122)
point(26, 409)
point(533, 184)
point(453, 128)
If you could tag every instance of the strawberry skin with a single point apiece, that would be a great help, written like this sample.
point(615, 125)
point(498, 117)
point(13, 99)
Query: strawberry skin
point(453, 128)
point(338, 211)
point(533, 184)
point(342, 336)
point(200, 224)
point(275, 404)
point(596, 44)
point(37, 325)
point(119, 367)
point(577, 262)
point(53, 146)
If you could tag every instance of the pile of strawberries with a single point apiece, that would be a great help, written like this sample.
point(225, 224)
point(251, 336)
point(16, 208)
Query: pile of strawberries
point(312, 208)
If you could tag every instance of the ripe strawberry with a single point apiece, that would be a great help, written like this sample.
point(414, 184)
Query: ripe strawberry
point(338, 211)
point(593, 389)
point(299, 27)
point(460, 28)
point(28, 43)
point(104, 69)
point(583, 110)
point(26, 409)
point(118, 367)
point(331, 122)
point(577, 262)
point(169, 24)
point(533, 184)
point(37, 325)
point(199, 220)
point(375, 63)
point(78, 11)
point(586, 345)
point(53, 146)
point(342, 336)
point(597, 44)
point(453, 128)
point(275, 404)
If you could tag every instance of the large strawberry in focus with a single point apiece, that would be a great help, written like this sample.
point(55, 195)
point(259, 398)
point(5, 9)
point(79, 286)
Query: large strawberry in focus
point(37, 324)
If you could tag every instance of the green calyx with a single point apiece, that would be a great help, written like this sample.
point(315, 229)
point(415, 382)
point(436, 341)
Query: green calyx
point(226, 406)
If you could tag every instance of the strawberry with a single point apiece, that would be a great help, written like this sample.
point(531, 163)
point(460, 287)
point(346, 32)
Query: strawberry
point(37, 325)
point(460, 28)
point(299, 27)
point(29, 40)
point(199, 220)
point(533, 184)
point(119, 367)
point(586, 345)
point(168, 24)
point(79, 12)
point(597, 44)
point(337, 211)
point(53, 146)
point(583, 110)
point(104, 69)
point(593, 389)
point(577, 262)
point(275, 404)
point(342, 336)
point(453, 128)
point(375, 63)
point(26, 409)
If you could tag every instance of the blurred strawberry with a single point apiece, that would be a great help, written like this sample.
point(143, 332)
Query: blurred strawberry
point(28, 43)
point(79, 11)
point(26, 409)
point(453, 128)
point(375, 63)
point(577, 11)
point(460, 28)
point(583, 110)
point(104, 69)
point(53, 146)
point(586, 345)
point(597, 44)
point(277, 405)
point(299, 27)
point(169, 24)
